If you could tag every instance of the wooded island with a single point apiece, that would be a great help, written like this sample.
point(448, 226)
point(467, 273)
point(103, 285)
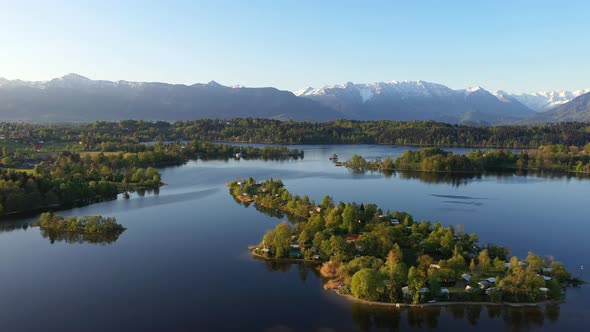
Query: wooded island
point(552, 158)
point(388, 257)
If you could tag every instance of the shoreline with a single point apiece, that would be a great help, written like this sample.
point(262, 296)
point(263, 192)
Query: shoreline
point(398, 305)
point(286, 260)
point(434, 304)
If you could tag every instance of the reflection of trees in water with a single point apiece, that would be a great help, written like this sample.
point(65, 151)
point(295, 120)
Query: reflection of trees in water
point(459, 179)
point(473, 313)
point(303, 268)
point(523, 319)
point(552, 312)
point(153, 191)
point(6, 227)
point(367, 317)
point(77, 237)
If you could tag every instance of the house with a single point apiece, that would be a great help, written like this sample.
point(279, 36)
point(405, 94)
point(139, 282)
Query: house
point(468, 288)
point(491, 280)
point(444, 291)
point(546, 269)
point(351, 238)
point(466, 277)
point(316, 257)
point(435, 265)
point(406, 291)
point(484, 284)
point(295, 246)
point(424, 290)
point(544, 289)
point(394, 221)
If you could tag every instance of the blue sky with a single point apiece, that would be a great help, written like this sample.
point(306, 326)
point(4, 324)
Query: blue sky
point(513, 45)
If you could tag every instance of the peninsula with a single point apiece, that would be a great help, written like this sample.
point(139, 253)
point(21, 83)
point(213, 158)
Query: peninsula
point(388, 257)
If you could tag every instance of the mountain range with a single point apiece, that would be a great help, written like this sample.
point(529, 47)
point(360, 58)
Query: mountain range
point(74, 98)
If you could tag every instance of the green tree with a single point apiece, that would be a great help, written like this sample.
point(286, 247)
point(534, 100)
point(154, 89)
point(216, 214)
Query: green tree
point(366, 284)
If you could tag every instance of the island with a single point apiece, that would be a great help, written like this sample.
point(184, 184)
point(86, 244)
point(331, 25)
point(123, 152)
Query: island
point(87, 225)
point(550, 158)
point(387, 257)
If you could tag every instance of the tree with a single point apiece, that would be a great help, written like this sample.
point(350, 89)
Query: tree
point(456, 263)
point(279, 239)
point(349, 218)
point(484, 260)
point(366, 284)
point(559, 272)
point(415, 283)
point(535, 262)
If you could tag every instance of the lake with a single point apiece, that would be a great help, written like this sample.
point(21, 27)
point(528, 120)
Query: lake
point(183, 265)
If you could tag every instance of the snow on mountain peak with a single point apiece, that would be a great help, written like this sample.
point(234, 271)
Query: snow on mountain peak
point(545, 100)
point(304, 91)
point(473, 89)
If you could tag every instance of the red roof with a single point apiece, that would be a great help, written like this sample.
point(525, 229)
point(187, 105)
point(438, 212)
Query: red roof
point(352, 236)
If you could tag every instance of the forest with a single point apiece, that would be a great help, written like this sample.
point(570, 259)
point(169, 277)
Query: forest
point(552, 158)
point(76, 178)
point(387, 256)
point(248, 130)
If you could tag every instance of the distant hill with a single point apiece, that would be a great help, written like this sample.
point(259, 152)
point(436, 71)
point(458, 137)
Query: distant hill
point(576, 110)
point(74, 98)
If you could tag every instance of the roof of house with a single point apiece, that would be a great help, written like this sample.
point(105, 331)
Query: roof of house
point(466, 276)
point(352, 236)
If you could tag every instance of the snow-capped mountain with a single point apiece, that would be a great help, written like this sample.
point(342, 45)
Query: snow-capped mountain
point(75, 98)
point(544, 100)
point(578, 109)
point(417, 100)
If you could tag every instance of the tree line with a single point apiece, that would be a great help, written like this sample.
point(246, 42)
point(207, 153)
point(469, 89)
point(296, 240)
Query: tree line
point(422, 133)
point(553, 158)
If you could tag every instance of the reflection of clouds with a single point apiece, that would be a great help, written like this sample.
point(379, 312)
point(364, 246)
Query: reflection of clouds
point(466, 203)
point(451, 209)
point(458, 197)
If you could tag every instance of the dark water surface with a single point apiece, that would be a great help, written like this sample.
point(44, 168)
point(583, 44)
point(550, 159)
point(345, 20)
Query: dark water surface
point(182, 264)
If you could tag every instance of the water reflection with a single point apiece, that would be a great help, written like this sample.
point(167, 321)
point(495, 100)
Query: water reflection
point(79, 238)
point(370, 317)
point(462, 179)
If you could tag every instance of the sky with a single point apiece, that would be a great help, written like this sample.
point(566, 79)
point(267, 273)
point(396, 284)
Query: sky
point(516, 46)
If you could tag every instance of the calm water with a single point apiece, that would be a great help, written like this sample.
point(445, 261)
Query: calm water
point(182, 264)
